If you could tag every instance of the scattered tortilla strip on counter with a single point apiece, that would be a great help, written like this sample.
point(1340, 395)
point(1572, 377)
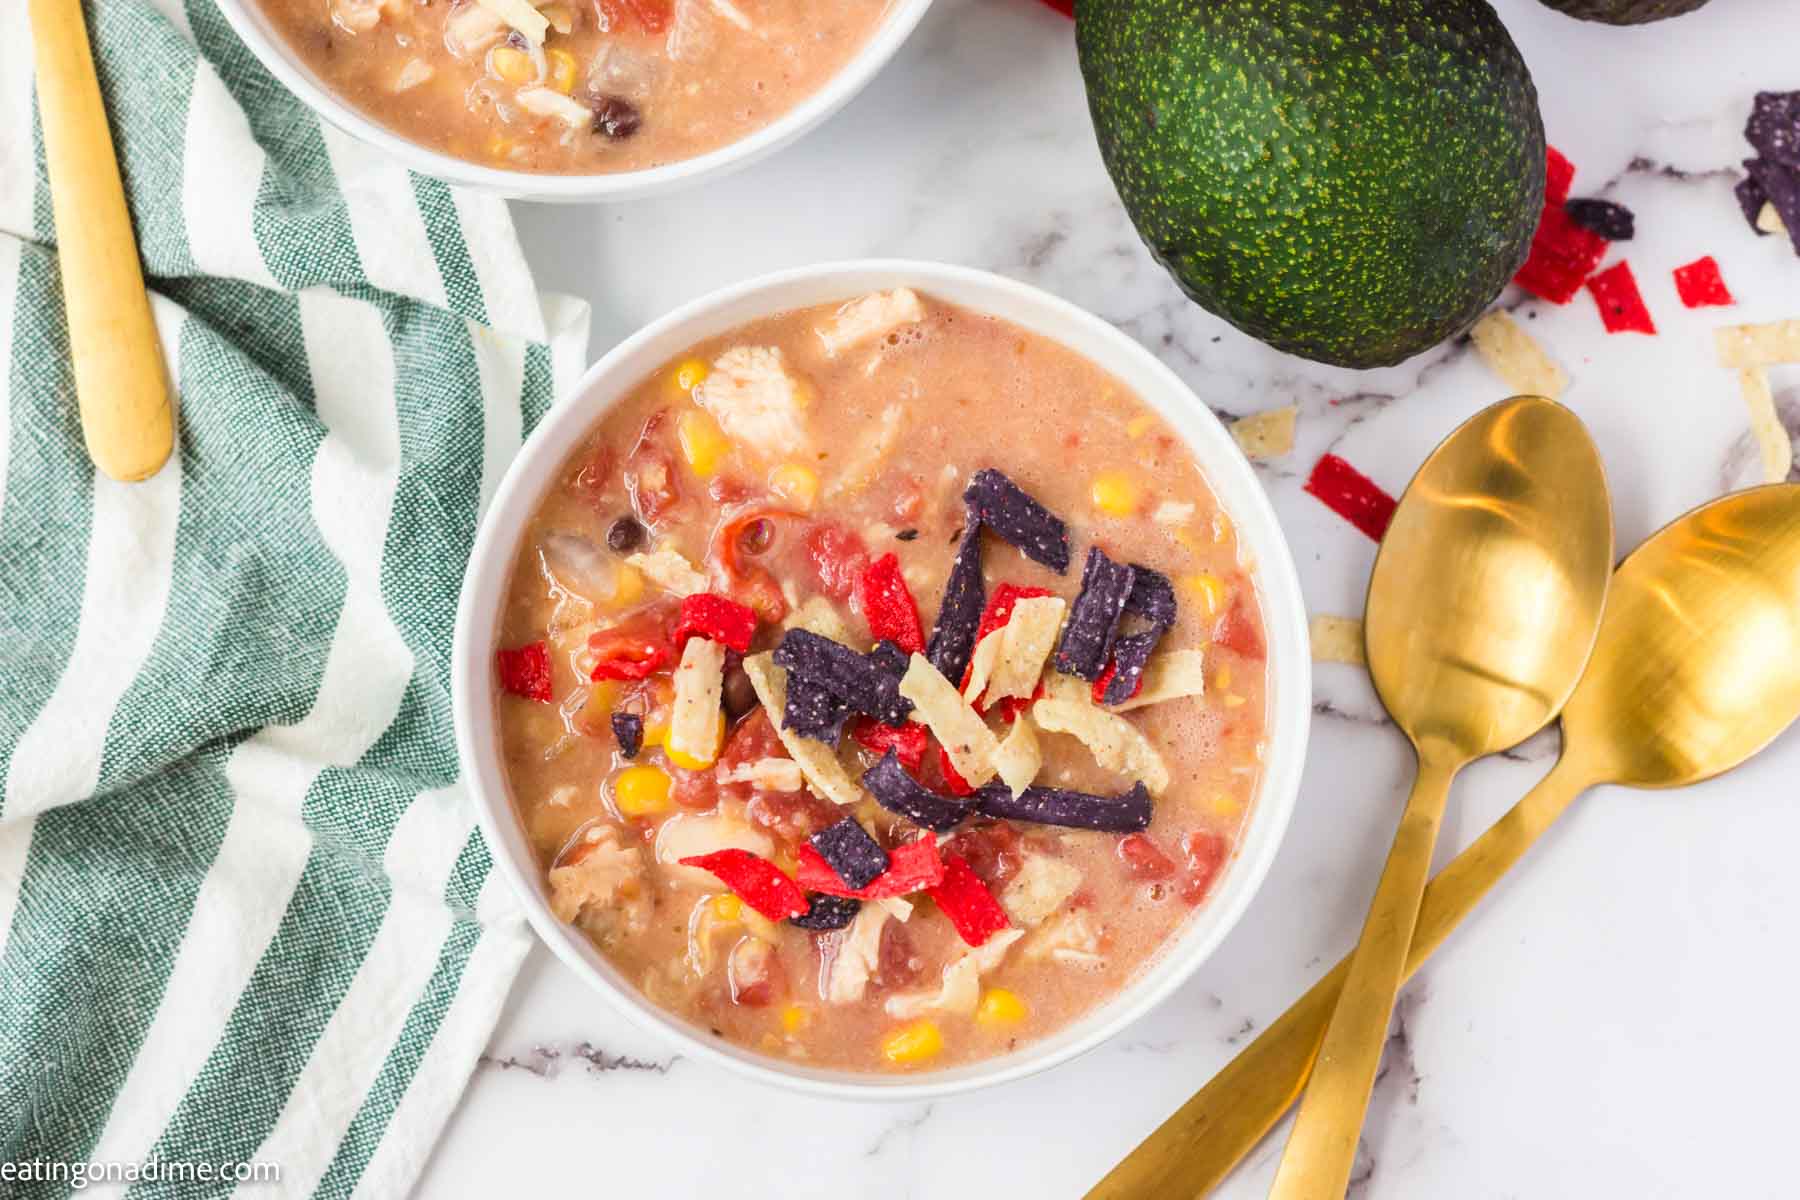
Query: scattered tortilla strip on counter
point(1115, 743)
point(670, 570)
point(1338, 640)
point(1768, 220)
point(1019, 757)
point(695, 722)
point(818, 762)
point(1758, 345)
point(1516, 357)
point(1772, 441)
point(1173, 675)
point(957, 726)
point(1266, 434)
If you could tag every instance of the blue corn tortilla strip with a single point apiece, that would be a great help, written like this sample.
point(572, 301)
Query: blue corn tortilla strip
point(812, 712)
point(959, 613)
point(1004, 507)
point(1774, 127)
point(1131, 654)
point(628, 728)
point(1781, 184)
point(889, 657)
point(827, 912)
point(1094, 617)
point(1127, 813)
point(899, 792)
point(1614, 222)
point(849, 850)
point(1751, 198)
point(852, 677)
point(1152, 596)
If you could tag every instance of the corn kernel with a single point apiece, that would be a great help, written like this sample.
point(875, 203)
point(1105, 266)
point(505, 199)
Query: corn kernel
point(691, 762)
point(511, 66)
point(913, 1043)
point(499, 147)
point(562, 70)
point(728, 908)
point(1116, 493)
point(703, 443)
point(1235, 701)
point(690, 373)
point(560, 17)
point(628, 588)
point(657, 734)
point(1222, 677)
point(1001, 1007)
point(1225, 805)
point(641, 792)
point(1211, 591)
point(1139, 425)
point(794, 1018)
point(796, 484)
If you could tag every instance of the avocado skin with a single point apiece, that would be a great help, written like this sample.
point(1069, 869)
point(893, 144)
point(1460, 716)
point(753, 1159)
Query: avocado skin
point(1625, 12)
point(1350, 181)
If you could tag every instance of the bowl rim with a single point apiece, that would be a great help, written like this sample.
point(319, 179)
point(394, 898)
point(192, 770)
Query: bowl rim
point(1228, 473)
point(271, 49)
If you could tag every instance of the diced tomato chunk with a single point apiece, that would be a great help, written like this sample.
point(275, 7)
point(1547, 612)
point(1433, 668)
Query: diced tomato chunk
point(1205, 853)
point(695, 790)
point(898, 963)
point(652, 15)
point(621, 653)
point(908, 742)
point(954, 783)
point(1237, 631)
point(1143, 858)
point(992, 851)
point(525, 671)
point(838, 556)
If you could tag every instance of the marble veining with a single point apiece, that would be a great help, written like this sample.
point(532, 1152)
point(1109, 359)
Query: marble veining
point(1602, 1026)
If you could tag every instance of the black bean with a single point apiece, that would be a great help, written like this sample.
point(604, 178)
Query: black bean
point(907, 535)
point(739, 693)
point(625, 535)
point(616, 117)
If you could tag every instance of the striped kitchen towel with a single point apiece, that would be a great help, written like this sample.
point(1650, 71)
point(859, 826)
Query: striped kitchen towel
point(244, 912)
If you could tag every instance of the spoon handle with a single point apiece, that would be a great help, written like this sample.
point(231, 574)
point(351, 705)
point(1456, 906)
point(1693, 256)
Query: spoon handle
point(120, 382)
point(1193, 1151)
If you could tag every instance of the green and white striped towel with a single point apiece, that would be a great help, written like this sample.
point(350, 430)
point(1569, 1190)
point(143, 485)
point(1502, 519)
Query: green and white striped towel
point(244, 912)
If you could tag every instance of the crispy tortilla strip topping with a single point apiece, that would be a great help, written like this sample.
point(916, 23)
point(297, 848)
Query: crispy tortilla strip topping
point(1171, 676)
point(961, 988)
point(864, 681)
point(1043, 884)
point(1028, 637)
point(670, 570)
point(1094, 620)
point(959, 612)
point(981, 666)
point(1018, 519)
point(1266, 434)
point(757, 401)
point(531, 24)
point(1115, 743)
point(694, 724)
point(818, 762)
point(1127, 812)
point(1758, 345)
point(1019, 758)
point(1516, 357)
point(1338, 640)
point(958, 727)
point(899, 792)
point(819, 615)
point(1772, 440)
point(765, 775)
point(870, 317)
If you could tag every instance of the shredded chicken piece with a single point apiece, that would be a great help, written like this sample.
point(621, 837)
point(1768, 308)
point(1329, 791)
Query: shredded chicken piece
point(689, 835)
point(1039, 889)
point(869, 317)
point(471, 29)
point(960, 990)
point(1071, 938)
point(857, 956)
point(757, 401)
point(547, 102)
point(766, 775)
point(602, 884)
point(670, 570)
point(522, 16)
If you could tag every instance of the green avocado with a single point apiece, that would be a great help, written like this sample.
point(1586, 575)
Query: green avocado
point(1348, 180)
point(1625, 12)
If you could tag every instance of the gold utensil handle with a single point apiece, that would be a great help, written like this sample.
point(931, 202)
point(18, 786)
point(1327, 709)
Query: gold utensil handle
point(1193, 1151)
point(120, 380)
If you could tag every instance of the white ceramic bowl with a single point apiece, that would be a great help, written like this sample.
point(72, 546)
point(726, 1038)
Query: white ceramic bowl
point(613, 377)
point(266, 42)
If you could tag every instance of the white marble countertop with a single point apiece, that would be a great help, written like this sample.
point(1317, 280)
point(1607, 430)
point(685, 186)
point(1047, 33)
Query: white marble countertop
point(1615, 1021)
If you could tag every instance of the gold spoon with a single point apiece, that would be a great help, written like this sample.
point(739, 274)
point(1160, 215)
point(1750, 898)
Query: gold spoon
point(1482, 610)
point(120, 381)
point(1691, 675)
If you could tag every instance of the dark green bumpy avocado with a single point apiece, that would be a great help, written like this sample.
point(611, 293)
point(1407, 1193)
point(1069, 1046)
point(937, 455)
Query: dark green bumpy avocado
point(1625, 12)
point(1348, 180)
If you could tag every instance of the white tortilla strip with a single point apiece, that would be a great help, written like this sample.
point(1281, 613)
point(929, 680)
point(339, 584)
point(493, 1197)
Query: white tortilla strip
point(531, 24)
point(1768, 220)
point(1019, 758)
point(1266, 434)
point(1338, 640)
point(765, 775)
point(1115, 743)
point(1758, 345)
point(981, 663)
point(1172, 675)
point(819, 615)
point(1772, 440)
point(958, 727)
point(818, 762)
point(1030, 634)
point(900, 910)
point(695, 724)
point(1043, 883)
point(1516, 357)
point(670, 570)
point(960, 991)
